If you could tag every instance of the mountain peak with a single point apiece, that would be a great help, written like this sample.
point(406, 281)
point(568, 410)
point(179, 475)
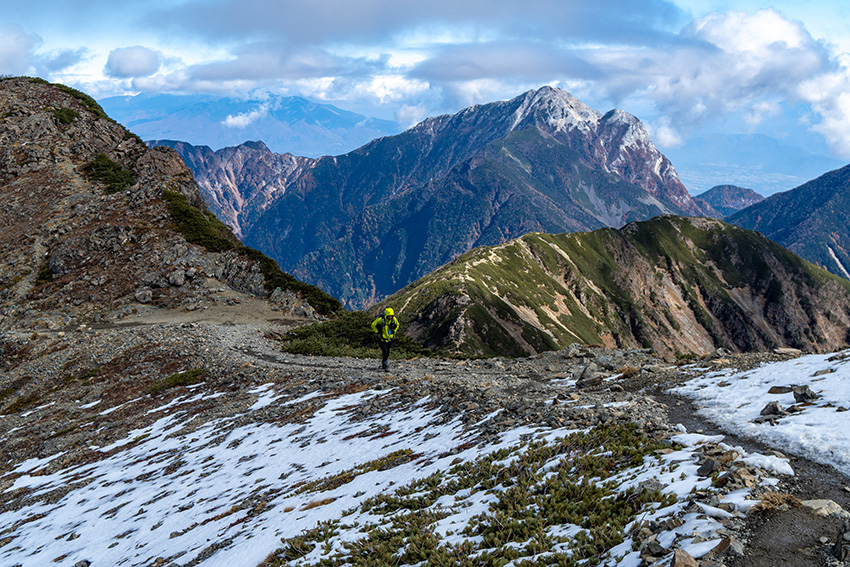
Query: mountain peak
point(552, 107)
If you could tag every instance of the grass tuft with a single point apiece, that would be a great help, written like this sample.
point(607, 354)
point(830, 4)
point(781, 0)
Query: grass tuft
point(186, 378)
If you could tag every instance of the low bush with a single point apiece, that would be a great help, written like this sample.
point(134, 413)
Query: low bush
point(112, 175)
point(65, 115)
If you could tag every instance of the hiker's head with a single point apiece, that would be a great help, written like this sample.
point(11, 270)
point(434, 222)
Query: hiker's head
point(388, 312)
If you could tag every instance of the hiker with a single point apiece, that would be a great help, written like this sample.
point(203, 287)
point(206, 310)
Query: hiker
point(386, 327)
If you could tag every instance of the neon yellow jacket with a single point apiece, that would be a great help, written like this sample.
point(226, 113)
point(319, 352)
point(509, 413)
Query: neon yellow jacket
point(386, 325)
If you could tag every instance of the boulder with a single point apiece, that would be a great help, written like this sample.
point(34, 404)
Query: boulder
point(804, 394)
point(682, 558)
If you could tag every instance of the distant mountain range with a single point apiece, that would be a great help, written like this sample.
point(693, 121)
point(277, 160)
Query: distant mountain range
point(812, 220)
point(729, 199)
point(364, 224)
point(286, 124)
point(762, 163)
point(677, 285)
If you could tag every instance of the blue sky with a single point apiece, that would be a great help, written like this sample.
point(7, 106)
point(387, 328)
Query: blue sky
point(684, 67)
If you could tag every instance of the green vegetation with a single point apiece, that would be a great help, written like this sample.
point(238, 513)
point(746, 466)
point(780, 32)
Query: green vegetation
point(204, 229)
point(186, 378)
point(22, 403)
point(45, 274)
point(65, 115)
point(394, 459)
point(199, 227)
point(538, 487)
point(104, 170)
point(349, 334)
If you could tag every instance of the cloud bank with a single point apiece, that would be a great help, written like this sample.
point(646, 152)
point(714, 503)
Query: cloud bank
point(136, 61)
point(423, 58)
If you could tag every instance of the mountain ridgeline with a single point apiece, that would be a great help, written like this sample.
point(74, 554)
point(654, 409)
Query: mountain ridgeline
point(677, 285)
point(812, 220)
point(365, 224)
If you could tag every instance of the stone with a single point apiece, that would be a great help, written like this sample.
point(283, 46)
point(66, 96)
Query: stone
point(804, 394)
point(772, 408)
point(826, 508)
point(144, 295)
point(707, 467)
point(824, 372)
point(788, 351)
point(682, 558)
point(780, 390)
point(717, 353)
point(841, 549)
point(177, 278)
point(653, 549)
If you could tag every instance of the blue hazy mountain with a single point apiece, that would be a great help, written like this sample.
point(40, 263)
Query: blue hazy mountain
point(762, 163)
point(285, 124)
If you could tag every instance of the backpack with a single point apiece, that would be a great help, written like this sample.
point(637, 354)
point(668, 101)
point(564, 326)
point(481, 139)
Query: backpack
point(391, 328)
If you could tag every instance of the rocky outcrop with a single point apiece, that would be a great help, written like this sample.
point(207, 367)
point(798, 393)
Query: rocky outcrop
point(86, 242)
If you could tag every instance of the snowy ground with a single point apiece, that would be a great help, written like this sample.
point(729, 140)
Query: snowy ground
point(222, 495)
point(818, 430)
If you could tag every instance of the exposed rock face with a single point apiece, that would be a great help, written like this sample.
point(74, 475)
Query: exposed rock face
point(239, 181)
point(364, 224)
point(728, 199)
point(812, 220)
point(677, 285)
point(67, 248)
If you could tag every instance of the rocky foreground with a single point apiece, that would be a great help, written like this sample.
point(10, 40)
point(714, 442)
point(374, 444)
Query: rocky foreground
point(77, 398)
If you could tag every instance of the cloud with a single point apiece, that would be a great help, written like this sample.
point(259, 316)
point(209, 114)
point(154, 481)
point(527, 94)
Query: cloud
point(829, 96)
point(17, 49)
point(504, 60)
point(340, 21)
point(61, 59)
point(136, 61)
point(409, 115)
point(245, 119)
point(724, 64)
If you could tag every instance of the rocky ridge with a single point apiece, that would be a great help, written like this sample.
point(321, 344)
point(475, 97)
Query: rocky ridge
point(76, 249)
point(811, 220)
point(729, 199)
point(680, 285)
point(239, 182)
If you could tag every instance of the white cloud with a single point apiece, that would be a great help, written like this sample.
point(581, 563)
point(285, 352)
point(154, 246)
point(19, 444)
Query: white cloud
point(16, 50)
point(246, 119)
point(409, 115)
point(136, 61)
point(829, 96)
point(758, 33)
point(664, 135)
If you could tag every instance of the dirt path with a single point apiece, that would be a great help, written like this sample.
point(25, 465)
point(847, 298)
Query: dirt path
point(792, 537)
